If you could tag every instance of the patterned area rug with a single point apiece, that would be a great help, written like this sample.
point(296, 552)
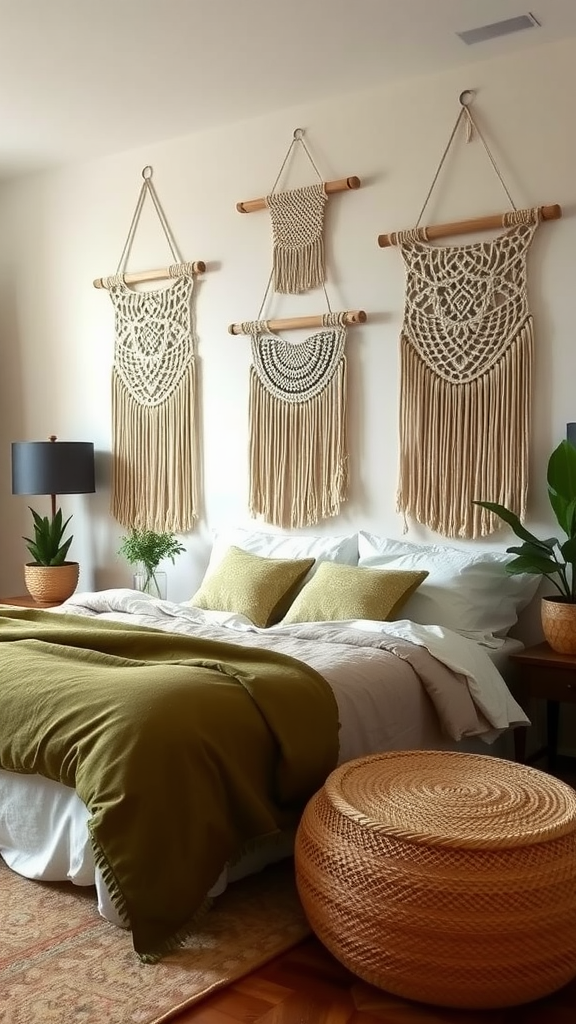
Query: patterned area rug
point(61, 963)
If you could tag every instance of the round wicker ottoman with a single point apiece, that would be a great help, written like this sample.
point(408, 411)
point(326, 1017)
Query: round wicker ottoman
point(443, 877)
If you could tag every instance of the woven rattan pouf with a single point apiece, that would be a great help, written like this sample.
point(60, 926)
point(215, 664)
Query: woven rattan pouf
point(443, 877)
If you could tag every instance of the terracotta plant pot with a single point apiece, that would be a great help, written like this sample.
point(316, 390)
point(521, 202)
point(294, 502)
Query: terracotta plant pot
point(559, 624)
point(50, 584)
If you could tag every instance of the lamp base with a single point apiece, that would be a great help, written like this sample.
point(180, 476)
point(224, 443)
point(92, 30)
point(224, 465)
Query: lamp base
point(51, 583)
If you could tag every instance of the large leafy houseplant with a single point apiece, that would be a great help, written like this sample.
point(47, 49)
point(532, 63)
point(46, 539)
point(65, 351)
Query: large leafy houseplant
point(147, 548)
point(552, 558)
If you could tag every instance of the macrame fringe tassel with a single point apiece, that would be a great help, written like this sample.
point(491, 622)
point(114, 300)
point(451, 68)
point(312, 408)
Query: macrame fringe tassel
point(464, 442)
point(298, 454)
point(155, 465)
point(298, 268)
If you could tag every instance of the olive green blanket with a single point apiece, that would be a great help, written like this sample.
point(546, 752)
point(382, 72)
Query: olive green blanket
point(184, 750)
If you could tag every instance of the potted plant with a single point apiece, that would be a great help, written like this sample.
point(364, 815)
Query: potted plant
point(49, 577)
point(146, 549)
point(553, 559)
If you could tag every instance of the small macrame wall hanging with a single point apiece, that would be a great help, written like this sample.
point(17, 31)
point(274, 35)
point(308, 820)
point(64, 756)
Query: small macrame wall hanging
point(297, 217)
point(465, 365)
point(297, 408)
point(154, 445)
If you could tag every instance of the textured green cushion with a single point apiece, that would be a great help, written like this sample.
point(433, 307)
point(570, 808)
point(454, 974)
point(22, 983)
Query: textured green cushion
point(351, 592)
point(262, 589)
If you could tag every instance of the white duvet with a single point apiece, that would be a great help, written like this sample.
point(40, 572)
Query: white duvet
point(336, 648)
point(397, 685)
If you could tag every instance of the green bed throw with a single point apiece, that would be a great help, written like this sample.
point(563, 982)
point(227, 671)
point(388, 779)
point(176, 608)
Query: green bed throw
point(185, 751)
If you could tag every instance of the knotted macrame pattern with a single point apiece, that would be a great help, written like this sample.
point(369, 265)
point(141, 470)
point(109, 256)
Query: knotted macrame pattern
point(298, 247)
point(298, 446)
point(466, 362)
point(154, 485)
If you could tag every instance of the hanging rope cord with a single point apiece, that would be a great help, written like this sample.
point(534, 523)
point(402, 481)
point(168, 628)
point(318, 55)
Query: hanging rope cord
point(259, 325)
point(298, 136)
point(515, 216)
point(179, 268)
point(147, 187)
point(471, 127)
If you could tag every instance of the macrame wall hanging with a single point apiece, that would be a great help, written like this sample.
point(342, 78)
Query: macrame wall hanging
point(154, 445)
point(465, 365)
point(297, 219)
point(297, 424)
point(297, 407)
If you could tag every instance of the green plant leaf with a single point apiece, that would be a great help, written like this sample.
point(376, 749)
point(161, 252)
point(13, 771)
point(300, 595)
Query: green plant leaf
point(568, 549)
point(561, 478)
point(38, 520)
point(33, 549)
point(571, 518)
point(512, 520)
point(60, 557)
point(530, 550)
point(537, 566)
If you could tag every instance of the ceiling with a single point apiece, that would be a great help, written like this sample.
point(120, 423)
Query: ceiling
point(81, 79)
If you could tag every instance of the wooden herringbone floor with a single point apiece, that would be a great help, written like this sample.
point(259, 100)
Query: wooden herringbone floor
point(307, 986)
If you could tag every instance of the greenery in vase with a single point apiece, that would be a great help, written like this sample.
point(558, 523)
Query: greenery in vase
point(148, 548)
point(48, 546)
point(552, 558)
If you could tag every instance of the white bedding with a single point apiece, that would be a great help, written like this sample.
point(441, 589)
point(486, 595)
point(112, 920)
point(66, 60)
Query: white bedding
point(397, 685)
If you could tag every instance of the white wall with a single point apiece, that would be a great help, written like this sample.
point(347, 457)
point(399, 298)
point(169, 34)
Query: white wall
point(63, 229)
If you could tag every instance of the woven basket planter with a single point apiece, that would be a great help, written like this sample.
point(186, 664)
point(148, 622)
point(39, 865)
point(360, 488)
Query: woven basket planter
point(559, 624)
point(442, 877)
point(49, 584)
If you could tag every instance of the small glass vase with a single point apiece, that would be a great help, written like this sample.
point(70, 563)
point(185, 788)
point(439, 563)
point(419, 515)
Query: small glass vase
point(153, 583)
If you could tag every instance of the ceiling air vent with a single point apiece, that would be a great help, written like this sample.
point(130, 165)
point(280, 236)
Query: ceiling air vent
point(498, 28)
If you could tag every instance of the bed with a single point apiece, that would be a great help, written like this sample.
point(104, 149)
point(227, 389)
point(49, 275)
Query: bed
point(402, 684)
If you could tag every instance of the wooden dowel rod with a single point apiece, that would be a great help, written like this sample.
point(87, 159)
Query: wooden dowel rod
point(340, 185)
point(351, 316)
point(198, 267)
point(464, 227)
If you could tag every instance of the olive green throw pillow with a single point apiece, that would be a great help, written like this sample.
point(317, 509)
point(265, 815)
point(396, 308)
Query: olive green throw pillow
point(260, 588)
point(350, 592)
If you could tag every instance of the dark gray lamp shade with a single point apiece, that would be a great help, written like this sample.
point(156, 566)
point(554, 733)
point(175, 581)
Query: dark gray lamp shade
point(52, 467)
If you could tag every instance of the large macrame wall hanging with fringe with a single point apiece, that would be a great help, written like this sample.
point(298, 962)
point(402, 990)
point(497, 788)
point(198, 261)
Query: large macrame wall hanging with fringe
point(155, 448)
point(297, 423)
point(465, 379)
point(466, 353)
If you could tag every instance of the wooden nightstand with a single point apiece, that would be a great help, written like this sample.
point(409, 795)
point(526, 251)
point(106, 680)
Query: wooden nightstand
point(25, 601)
point(546, 674)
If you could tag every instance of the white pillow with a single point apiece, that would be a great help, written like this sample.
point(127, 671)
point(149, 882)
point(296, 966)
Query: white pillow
point(282, 545)
point(467, 591)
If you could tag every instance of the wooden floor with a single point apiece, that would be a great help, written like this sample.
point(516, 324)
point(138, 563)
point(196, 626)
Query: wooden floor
point(307, 986)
